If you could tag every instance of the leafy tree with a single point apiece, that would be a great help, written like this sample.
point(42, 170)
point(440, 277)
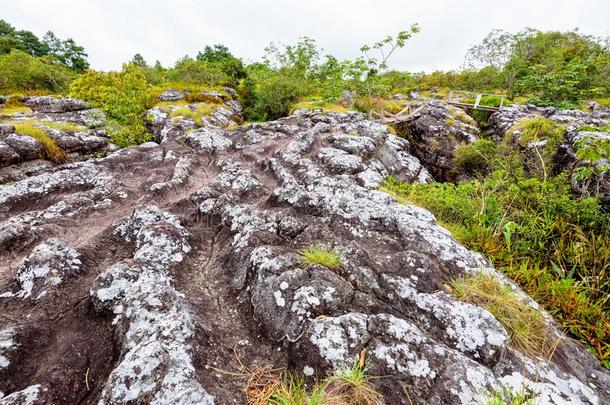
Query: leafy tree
point(219, 56)
point(67, 52)
point(495, 50)
point(139, 61)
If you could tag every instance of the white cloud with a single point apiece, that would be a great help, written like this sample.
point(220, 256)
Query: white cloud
point(112, 31)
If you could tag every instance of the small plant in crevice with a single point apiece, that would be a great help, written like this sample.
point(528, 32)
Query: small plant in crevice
point(526, 326)
point(353, 385)
point(507, 396)
point(318, 254)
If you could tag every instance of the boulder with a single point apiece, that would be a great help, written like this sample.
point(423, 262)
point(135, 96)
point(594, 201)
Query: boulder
point(48, 104)
point(27, 148)
point(8, 155)
point(6, 129)
point(171, 95)
point(435, 135)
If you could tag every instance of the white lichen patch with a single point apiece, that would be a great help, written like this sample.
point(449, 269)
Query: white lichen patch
point(49, 264)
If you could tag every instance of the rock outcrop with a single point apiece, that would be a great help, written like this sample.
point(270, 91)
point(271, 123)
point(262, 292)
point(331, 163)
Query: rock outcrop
point(167, 260)
point(71, 125)
point(436, 133)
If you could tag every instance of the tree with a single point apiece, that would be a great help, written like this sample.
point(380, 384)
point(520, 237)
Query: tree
point(139, 61)
point(219, 56)
point(371, 66)
point(495, 50)
point(67, 52)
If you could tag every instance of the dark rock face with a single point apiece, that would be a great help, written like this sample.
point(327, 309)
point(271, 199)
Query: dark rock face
point(436, 134)
point(182, 255)
point(47, 104)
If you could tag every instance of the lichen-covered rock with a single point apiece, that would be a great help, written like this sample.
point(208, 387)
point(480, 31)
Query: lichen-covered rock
point(584, 154)
point(171, 95)
point(25, 146)
point(48, 104)
point(191, 257)
point(435, 135)
point(49, 264)
point(154, 323)
point(6, 129)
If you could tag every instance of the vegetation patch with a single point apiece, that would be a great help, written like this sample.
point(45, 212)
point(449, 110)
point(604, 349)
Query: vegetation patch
point(317, 254)
point(270, 386)
point(556, 246)
point(508, 397)
point(194, 111)
point(52, 150)
point(525, 326)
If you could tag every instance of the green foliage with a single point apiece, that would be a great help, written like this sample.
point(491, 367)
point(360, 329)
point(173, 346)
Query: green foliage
point(508, 397)
point(476, 159)
point(321, 255)
point(557, 246)
point(525, 325)
point(293, 391)
point(22, 72)
point(219, 56)
point(124, 96)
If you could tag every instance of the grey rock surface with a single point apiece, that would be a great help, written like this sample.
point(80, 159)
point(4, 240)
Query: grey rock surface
point(189, 256)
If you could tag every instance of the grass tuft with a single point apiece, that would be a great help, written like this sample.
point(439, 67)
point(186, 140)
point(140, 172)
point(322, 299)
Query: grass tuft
point(52, 150)
point(525, 326)
point(508, 397)
point(352, 385)
point(317, 254)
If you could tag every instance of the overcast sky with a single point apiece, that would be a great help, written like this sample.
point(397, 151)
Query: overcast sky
point(112, 31)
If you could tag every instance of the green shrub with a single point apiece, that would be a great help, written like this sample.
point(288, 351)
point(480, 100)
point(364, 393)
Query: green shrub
point(200, 72)
point(476, 159)
point(556, 246)
point(124, 96)
point(22, 72)
point(274, 97)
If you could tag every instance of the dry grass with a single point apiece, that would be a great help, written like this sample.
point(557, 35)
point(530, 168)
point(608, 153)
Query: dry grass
point(266, 385)
point(525, 325)
point(52, 150)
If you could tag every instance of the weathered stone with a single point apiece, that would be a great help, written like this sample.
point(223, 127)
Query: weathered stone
point(48, 104)
point(435, 135)
point(190, 255)
point(8, 155)
point(171, 95)
point(6, 129)
point(26, 147)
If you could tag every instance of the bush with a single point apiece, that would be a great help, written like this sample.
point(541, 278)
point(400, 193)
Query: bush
point(124, 96)
point(202, 72)
point(274, 97)
point(22, 72)
point(476, 159)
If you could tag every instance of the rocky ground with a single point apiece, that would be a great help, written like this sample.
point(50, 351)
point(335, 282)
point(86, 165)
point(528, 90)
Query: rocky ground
point(142, 276)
